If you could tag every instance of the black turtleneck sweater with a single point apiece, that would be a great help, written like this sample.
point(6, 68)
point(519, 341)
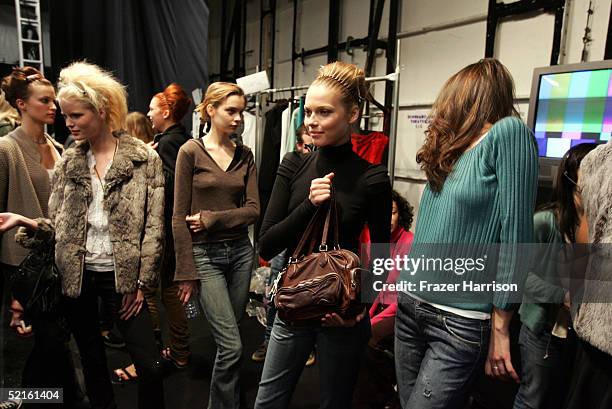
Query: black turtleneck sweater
point(363, 194)
point(168, 144)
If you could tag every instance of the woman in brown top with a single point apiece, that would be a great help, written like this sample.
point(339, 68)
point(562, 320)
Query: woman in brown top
point(27, 158)
point(215, 200)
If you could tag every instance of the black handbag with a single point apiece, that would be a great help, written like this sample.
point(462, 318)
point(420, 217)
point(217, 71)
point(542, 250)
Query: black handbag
point(36, 283)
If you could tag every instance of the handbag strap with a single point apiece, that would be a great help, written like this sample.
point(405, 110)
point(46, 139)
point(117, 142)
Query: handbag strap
point(309, 232)
point(331, 220)
point(327, 215)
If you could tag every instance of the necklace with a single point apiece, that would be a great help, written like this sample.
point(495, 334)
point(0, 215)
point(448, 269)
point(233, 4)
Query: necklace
point(96, 168)
point(43, 142)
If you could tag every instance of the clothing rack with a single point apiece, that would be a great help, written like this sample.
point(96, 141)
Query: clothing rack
point(393, 77)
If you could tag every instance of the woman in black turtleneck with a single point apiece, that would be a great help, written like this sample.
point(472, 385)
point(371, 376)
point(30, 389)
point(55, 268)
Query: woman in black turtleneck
point(166, 110)
point(303, 183)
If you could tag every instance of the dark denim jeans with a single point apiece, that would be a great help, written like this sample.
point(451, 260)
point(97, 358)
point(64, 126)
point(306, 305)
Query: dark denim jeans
point(438, 355)
point(545, 363)
point(339, 354)
point(84, 322)
point(224, 271)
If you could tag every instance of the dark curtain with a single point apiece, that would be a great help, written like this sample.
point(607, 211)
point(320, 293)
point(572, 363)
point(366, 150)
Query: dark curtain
point(146, 43)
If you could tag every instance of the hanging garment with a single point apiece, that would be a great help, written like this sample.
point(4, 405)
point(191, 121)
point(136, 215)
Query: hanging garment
point(270, 151)
point(285, 127)
point(371, 146)
point(291, 137)
point(249, 132)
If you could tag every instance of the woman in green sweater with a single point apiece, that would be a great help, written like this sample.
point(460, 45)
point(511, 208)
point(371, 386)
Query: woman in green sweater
point(545, 310)
point(481, 164)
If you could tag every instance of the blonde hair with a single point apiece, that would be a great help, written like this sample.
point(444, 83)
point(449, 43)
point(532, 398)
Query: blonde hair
point(99, 89)
point(216, 93)
point(7, 112)
point(139, 126)
point(346, 79)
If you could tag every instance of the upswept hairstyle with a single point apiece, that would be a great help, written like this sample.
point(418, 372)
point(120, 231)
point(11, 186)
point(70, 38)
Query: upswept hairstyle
point(95, 87)
point(480, 93)
point(216, 93)
point(347, 79)
point(404, 210)
point(7, 112)
point(16, 85)
point(562, 200)
point(175, 100)
point(139, 126)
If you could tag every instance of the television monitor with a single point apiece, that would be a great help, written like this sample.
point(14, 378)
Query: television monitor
point(569, 104)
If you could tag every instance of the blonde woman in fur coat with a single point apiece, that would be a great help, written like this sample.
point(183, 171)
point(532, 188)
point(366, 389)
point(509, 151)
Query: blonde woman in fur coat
point(106, 218)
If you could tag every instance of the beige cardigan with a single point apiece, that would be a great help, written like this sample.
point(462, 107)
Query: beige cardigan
point(24, 187)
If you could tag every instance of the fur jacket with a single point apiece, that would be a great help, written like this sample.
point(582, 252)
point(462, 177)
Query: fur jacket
point(593, 322)
point(134, 199)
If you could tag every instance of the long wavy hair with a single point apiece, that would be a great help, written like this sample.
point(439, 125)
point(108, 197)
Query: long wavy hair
point(562, 201)
point(481, 93)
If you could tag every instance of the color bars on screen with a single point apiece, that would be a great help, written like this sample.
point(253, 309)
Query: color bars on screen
point(573, 108)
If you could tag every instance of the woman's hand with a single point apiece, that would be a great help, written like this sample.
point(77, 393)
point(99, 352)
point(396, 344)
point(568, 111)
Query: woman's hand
point(334, 320)
point(131, 304)
point(186, 289)
point(320, 189)
point(11, 220)
point(499, 363)
point(195, 223)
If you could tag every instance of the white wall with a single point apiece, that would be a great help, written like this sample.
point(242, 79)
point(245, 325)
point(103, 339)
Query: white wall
point(427, 60)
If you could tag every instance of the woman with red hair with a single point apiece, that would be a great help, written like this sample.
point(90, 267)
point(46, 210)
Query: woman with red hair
point(166, 110)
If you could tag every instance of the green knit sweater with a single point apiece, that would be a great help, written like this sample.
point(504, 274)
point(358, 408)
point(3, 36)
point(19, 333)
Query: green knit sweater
point(488, 198)
point(543, 292)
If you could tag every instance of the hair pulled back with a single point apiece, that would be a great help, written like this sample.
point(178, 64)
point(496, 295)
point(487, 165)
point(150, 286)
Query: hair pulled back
point(17, 84)
point(216, 93)
point(95, 87)
point(175, 99)
point(346, 79)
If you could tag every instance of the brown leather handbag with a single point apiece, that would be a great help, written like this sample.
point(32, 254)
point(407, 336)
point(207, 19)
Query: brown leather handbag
point(317, 283)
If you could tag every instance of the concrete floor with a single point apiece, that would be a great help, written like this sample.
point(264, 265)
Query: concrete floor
point(188, 388)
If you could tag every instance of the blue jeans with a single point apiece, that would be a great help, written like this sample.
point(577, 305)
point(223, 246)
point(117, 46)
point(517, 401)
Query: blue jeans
point(339, 353)
point(224, 271)
point(545, 364)
point(438, 355)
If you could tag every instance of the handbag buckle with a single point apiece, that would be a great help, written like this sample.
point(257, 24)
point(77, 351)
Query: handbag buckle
point(323, 247)
point(274, 288)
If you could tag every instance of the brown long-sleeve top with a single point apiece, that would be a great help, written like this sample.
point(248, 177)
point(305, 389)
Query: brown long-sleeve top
point(227, 201)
